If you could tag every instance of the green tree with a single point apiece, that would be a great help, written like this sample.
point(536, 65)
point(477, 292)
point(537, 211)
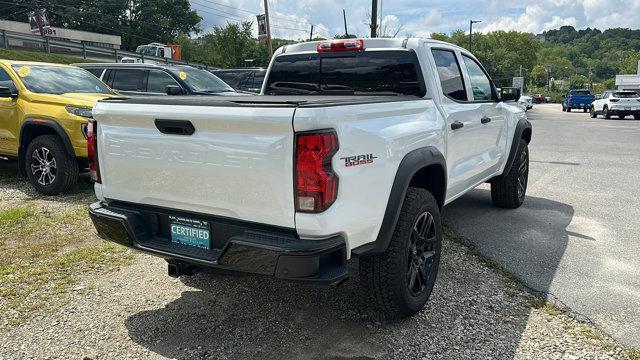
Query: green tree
point(578, 82)
point(538, 76)
point(630, 63)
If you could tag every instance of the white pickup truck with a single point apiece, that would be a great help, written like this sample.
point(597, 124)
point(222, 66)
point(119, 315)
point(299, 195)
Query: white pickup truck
point(351, 152)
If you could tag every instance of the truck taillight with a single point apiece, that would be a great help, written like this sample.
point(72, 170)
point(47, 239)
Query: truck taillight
point(340, 45)
point(92, 150)
point(316, 183)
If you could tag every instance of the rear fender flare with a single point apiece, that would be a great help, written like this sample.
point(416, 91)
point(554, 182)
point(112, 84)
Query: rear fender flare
point(413, 162)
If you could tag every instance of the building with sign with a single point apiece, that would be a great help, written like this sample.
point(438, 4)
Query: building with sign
point(629, 82)
point(76, 36)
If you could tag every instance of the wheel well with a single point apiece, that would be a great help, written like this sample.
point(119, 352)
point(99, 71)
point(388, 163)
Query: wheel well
point(526, 135)
point(30, 132)
point(431, 178)
point(27, 134)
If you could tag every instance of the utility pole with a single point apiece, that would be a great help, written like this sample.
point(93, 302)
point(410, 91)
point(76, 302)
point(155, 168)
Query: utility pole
point(471, 22)
point(266, 22)
point(590, 83)
point(520, 71)
point(374, 18)
point(311, 33)
point(344, 17)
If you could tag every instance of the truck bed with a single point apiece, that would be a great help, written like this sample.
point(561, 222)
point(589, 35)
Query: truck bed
point(263, 100)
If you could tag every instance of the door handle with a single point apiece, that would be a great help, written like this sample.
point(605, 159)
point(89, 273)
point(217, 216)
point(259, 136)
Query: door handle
point(485, 120)
point(175, 127)
point(456, 125)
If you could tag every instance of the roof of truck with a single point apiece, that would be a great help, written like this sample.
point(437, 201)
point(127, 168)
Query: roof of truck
point(369, 43)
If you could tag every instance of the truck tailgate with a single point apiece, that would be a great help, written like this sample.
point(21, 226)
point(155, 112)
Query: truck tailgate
point(238, 163)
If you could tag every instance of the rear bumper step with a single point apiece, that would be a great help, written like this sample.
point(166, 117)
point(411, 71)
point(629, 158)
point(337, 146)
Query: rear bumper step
point(239, 246)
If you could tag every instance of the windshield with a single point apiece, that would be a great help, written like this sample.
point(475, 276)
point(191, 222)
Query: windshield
point(46, 79)
point(147, 50)
point(201, 81)
point(625, 94)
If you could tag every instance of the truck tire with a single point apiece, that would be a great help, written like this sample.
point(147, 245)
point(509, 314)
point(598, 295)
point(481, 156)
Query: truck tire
point(592, 113)
point(50, 168)
point(401, 279)
point(508, 191)
point(584, 109)
point(636, 116)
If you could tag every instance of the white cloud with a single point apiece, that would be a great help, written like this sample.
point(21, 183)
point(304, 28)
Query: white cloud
point(292, 18)
point(549, 14)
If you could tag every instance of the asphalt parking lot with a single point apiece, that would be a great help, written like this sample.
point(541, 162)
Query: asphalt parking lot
point(135, 311)
point(576, 236)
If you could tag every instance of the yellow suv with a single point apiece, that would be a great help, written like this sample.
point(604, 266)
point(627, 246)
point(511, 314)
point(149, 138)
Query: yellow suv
point(44, 110)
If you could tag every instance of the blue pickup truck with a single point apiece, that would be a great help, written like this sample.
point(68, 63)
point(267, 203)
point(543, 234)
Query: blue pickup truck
point(577, 99)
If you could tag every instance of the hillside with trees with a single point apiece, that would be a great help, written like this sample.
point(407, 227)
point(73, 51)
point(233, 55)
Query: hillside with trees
point(582, 58)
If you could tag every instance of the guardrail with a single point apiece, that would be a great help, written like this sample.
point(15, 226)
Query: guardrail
point(80, 49)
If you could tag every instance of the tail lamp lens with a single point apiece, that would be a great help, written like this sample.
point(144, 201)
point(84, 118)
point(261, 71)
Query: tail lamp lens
point(92, 150)
point(316, 183)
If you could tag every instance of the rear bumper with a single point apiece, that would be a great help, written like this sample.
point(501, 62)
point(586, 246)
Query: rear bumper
point(236, 245)
point(624, 110)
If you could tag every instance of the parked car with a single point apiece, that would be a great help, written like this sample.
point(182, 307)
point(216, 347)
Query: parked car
point(44, 109)
point(242, 79)
point(526, 102)
point(321, 169)
point(616, 103)
point(577, 99)
point(540, 99)
point(152, 79)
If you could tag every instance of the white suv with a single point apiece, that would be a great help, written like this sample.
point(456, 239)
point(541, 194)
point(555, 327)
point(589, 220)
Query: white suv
point(616, 103)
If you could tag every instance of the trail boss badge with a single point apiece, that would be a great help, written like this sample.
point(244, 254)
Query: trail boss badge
point(358, 160)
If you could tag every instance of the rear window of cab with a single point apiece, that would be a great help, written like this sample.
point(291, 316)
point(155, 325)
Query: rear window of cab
point(391, 72)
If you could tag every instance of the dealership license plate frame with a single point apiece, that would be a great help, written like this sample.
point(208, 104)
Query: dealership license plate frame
point(190, 232)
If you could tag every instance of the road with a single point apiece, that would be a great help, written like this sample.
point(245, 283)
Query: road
point(576, 237)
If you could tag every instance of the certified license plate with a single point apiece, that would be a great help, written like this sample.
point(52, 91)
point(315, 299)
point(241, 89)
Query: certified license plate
point(190, 232)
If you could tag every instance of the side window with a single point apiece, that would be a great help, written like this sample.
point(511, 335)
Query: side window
point(158, 81)
point(480, 83)
point(5, 80)
point(97, 72)
point(450, 74)
point(258, 79)
point(128, 80)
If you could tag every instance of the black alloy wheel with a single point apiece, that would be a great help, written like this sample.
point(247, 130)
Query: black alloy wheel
point(422, 253)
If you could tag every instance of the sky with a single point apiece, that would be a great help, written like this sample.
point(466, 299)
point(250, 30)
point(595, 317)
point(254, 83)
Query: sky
point(292, 19)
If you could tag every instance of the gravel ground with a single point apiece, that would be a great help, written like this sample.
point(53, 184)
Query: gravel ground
point(139, 312)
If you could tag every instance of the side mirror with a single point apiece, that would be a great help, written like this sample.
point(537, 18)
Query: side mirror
point(5, 92)
point(509, 94)
point(174, 90)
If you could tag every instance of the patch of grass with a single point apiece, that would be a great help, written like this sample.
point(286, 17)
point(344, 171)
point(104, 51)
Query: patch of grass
point(590, 333)
point(26, 55)
point(633, 354)
point(449, 234)
point(13, 215)
point(541, 304)
point(45, 247)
